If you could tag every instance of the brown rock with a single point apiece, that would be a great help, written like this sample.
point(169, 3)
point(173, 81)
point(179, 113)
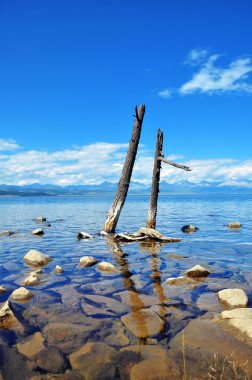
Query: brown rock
point(95, 361)
point(51, 360)
point(32, 345)
point(197, 271)
point(143, 323)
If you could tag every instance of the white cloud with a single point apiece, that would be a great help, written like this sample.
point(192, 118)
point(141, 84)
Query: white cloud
point(8, 145)
point(165, 94)
point(213, 79)
point(196, 56)
point(99, 162)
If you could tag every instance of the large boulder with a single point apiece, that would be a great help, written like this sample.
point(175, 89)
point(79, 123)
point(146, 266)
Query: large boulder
point(233, 297)
point(237, 322)
point(36, 258)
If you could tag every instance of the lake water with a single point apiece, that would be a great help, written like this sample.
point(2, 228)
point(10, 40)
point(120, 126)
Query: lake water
point(85, 305)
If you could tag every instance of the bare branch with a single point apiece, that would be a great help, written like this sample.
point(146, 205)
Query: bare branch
point(186, 168)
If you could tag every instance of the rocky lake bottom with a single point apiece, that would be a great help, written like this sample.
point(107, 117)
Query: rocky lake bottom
point(130, 322)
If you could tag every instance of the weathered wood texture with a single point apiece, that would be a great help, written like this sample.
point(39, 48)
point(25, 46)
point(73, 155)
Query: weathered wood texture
point(169, 162)
point(152, 214)
point(124, 182)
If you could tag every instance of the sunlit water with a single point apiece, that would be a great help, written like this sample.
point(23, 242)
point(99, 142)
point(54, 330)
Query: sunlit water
point(226, 253)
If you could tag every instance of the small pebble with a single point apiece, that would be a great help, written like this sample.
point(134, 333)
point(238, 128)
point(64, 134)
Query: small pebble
point(59, 269)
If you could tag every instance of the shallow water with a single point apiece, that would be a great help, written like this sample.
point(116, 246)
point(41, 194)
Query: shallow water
point(73, 297)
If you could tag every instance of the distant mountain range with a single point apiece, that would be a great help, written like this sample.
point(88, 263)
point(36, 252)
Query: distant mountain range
point(181, 187)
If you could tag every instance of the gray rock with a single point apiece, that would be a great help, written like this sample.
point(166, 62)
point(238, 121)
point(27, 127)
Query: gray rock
point(189, 228)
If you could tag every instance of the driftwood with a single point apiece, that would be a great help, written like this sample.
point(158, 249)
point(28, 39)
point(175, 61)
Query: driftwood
point(123, 185)
point(152, 214)
point(169, 162)
point(144, 234)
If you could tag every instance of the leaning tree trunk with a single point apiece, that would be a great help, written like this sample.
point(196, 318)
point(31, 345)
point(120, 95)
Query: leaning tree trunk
point(152, 214)
point(124, 182)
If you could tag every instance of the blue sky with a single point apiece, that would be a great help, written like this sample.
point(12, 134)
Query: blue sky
point(72, 72)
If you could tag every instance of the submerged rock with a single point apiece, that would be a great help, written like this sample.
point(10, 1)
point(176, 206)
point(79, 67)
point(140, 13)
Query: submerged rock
point(107, 303)
point(31, 345)
point(197, 271)
point(38, 232)
point(107, 267)
point(233, 297)
point(40, 219)
point(237, 322)
point(6, 233)
point(21, 294)
point(189, 228)
point(59, 269)
point(143, 323)
point(32, 279)
point(179, 281)
point(7, 317)
point(50, 360)
point(88, 261)
point(36, 258)
point(2, 289)
point(84, 235)
point(95, 361)
point(234, 225)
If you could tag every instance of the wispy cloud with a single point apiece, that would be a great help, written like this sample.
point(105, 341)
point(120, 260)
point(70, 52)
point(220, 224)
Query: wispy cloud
point(8, 145)
point(99, 162)
point(214, 79)
point(196, 56)
point(167, 93)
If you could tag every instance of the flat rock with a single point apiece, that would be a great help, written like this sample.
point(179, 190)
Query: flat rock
point(32, 345)
point(40, 219)
point(204, 338)
point(67, 337)
point(103, 287)
point(154, 369)
point(36, 258)
point(197, 271)
point(2, 289)
point(21, 294)
point(32, 280)
point(233, 297)
point(209, 302)
point(117, 336)
point(107, 267)
point(176, 257)
point(180, 281)
point(107, 303)
point(94, 311)
point(88, 261)
point(237, 322)
point(234, 225)
point(95, 361)
point(59, 269)
point(136, 300)
point(143, 323)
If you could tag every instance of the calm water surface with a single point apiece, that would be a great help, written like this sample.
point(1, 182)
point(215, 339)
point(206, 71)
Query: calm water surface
point(143, 268)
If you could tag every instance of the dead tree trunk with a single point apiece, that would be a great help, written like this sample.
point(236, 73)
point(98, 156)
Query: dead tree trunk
point(152, 214)
point(124, 182)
